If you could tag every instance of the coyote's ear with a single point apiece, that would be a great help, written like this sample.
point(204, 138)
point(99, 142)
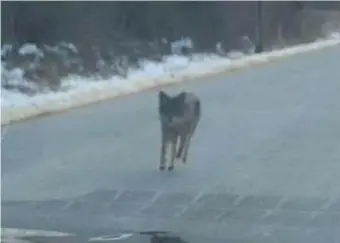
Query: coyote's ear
point(181, 97)
point(163, 97)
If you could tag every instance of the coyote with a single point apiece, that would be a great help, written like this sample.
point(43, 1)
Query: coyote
point(179, 116)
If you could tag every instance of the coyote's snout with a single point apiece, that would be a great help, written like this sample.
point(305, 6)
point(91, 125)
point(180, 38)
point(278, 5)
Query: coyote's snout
point(179, 116)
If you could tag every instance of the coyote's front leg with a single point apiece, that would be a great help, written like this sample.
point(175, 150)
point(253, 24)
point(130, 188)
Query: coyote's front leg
point(173, 152)
point(163, 150)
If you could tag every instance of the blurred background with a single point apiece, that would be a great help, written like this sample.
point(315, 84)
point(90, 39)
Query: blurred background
point(106, 38)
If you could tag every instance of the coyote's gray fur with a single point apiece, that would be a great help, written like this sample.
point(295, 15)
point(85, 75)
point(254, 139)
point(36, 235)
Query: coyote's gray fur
point(179, 116)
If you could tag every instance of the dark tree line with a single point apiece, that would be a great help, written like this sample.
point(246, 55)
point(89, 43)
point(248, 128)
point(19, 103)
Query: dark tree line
point(104, 22)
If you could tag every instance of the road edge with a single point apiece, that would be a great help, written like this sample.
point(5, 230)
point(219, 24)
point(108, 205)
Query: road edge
point(80, 99)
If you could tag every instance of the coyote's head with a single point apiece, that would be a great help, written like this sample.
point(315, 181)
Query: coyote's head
point(171, 109)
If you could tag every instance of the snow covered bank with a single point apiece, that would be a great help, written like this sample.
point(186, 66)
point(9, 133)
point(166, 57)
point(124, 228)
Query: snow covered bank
point(174, 69)
point(12, 235)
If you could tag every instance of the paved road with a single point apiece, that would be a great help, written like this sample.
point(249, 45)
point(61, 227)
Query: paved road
point(264, 163)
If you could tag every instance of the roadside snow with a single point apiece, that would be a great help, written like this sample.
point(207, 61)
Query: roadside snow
point(5, 49)
point(80, 91)
point(13, 235)
point(32, 49)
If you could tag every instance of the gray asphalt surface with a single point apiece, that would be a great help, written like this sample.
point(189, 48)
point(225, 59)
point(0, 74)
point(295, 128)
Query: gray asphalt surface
point(264, 165)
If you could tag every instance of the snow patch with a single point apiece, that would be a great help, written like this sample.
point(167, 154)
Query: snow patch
point(235, 55)
point(69, 46)
point(112, 237)
point(13, 235)
point(15, 78)
point(29, 232)
point(30, 49)
point(247, 45)
point(335, 35)
point(5, 49)
point(173, 69)
point(178, 45)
